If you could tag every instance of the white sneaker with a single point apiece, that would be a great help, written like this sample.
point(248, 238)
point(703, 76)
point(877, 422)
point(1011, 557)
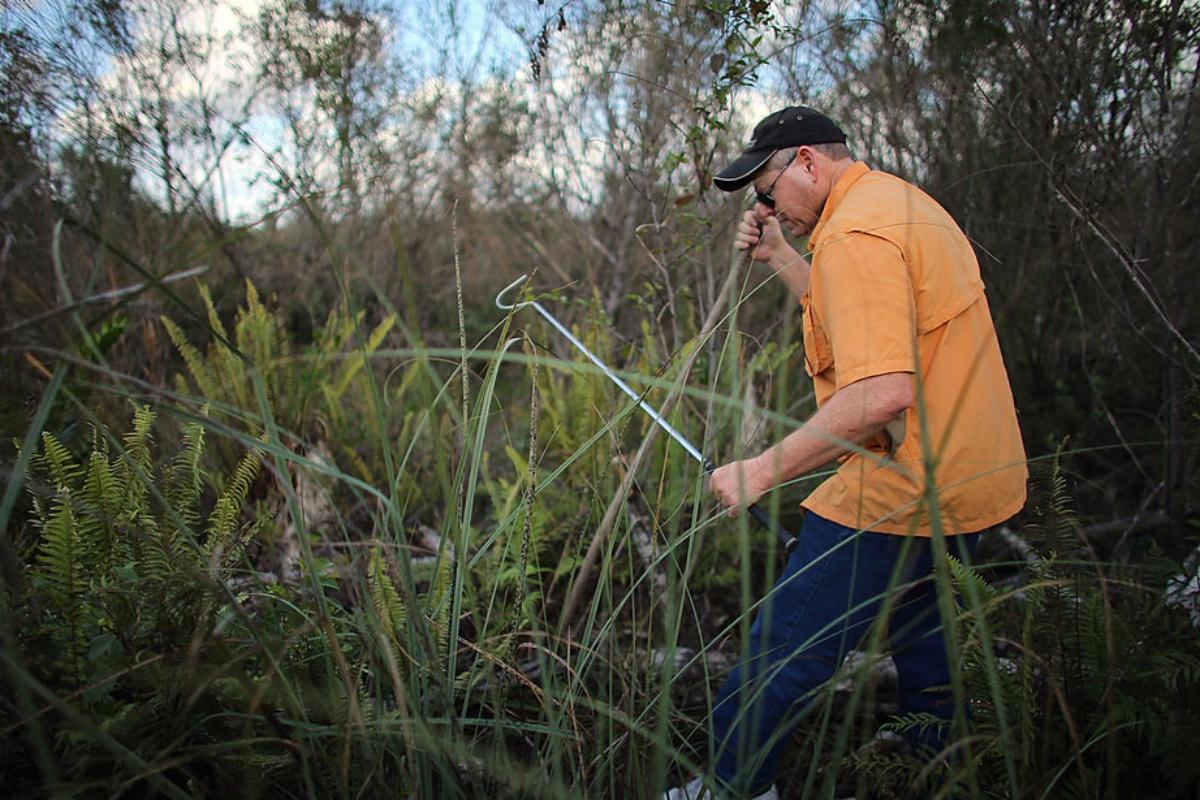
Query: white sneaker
point(695, 790)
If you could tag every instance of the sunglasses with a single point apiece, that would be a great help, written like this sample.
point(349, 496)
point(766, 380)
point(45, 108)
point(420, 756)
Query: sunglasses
point(767, 198)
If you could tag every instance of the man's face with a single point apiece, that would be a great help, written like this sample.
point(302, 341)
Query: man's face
point(797, 191)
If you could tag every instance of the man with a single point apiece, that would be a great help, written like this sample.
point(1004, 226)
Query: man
point(912, 397)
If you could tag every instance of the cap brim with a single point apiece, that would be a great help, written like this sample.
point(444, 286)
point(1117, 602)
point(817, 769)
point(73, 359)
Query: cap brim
point(741, 171)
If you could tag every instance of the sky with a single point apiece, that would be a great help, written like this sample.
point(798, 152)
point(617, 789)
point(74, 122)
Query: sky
point(484, 43)
point(466, 40)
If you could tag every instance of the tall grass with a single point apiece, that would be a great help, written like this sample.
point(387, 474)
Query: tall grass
point(393, 624)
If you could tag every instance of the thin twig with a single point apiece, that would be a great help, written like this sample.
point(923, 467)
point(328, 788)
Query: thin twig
point(104, 297)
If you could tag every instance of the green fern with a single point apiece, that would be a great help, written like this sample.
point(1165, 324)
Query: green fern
point(352, 367)
point(225, 365)
point(61, 467)
point(299, 392)
point(392, 612)
point(259, 335)
point(440, 600)
point(184, 479)
point(112, 526)
point(1074, 668)
point(64, 573)
point(196, 364)
point(100, 494)
point(135, 463)
point(210, 310)
point(968, 582)
point(224, 534)
point(388, 607)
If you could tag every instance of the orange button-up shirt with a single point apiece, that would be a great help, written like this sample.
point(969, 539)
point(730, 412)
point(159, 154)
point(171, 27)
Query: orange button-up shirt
point(895, 287)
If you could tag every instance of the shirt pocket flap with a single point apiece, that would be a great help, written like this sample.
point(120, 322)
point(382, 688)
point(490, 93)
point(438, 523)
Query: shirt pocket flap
point(938, 302)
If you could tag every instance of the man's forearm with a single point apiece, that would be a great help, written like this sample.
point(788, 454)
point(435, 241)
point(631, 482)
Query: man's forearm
point(793, 269)
point(851, 415)
point(832, 432)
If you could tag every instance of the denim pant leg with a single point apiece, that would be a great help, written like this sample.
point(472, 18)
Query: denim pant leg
point(919, 648)
point(829, 593)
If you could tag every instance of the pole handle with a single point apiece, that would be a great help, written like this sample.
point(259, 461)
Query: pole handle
point(788, 541)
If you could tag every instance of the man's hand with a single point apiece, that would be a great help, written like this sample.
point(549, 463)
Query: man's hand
point(761, 235)
point(738, 484)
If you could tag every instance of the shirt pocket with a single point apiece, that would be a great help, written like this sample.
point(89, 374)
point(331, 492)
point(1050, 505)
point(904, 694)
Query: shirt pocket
point(818, 352)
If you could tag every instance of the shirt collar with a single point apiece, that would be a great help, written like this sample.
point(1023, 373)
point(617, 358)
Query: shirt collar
point(847, 179)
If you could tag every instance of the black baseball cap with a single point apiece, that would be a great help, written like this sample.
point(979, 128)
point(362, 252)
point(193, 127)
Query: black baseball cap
point(791, 127)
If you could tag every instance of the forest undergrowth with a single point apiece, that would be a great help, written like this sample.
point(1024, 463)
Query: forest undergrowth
point(341, 568)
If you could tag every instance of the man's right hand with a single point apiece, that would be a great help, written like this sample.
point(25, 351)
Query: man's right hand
point(762, 236)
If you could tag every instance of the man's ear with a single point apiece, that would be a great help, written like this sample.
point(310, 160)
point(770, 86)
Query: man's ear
point(806, 157)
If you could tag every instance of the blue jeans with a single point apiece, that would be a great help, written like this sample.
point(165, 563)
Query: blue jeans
point(832, 590)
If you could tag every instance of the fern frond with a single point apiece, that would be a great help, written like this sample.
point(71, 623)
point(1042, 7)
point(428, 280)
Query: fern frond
point(353, 366)
point(134, 466)
point(197, 367)
point(224, 533)
point(1061, 514)
point(58, 554)
point(253, 330)
point(138, 438)
point(61, 565)
point(222, 525)
point(388, 606)
point(239, 483)
point(101, 494)
point(226, 367)
point(210, 308)
point(386, 601)
point(57, 460)
point(334, 332)
point(969, 583)
point(914, 721)
point(102, 490)
point(170, 557)
point(439, 602)
point(184, 480)
point(1053, 519)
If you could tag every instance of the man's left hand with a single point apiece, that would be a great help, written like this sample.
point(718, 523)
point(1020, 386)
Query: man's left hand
point(737, 484)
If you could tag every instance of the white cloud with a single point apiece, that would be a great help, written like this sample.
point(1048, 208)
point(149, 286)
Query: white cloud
point(575, 137)
point(192, 60)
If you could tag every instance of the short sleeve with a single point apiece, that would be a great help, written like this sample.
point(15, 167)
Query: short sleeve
point(866, 306)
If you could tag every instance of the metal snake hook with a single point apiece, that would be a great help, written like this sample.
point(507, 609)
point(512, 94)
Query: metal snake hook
point(510, 306)
point(760, 516)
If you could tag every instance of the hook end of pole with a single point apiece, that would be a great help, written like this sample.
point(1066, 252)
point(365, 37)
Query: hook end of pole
point(500, 298)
